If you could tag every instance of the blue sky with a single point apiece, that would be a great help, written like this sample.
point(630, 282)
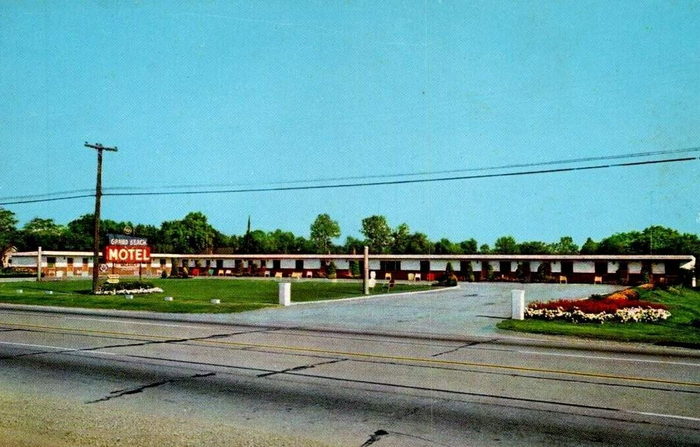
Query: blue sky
point(253, 93)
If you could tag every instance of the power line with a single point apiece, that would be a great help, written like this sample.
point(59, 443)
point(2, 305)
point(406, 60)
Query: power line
point(33, 198)
point(366, 184)
point(403, 182)
point(501, 167)
point(52, 199)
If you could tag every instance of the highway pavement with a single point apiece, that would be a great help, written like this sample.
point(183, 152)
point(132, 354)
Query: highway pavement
point(99, 380)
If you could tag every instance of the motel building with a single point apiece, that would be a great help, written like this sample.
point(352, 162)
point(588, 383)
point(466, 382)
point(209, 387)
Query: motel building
point(671, 269)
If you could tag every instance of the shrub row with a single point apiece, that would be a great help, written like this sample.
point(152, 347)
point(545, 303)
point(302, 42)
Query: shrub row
point(623, 315)
point(132, 288)
point(607, 305)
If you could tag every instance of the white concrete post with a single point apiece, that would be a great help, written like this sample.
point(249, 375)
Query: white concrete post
point(285, 293)
point(518, 299)
point(693, 282)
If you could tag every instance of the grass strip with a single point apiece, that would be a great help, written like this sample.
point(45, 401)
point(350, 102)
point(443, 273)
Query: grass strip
point(189, 295)
point(681, 329)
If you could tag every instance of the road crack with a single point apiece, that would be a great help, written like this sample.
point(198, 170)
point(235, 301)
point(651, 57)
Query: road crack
point(374, 437)
point(128, 391)
point(460, 347)
point(121, 345)
point(377, 435)
point(300, 368)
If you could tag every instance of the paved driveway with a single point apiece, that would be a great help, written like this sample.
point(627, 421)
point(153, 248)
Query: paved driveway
point(471, 309)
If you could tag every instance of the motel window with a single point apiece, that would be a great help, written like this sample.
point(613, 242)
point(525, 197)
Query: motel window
point(623, 267)
point(263, 263)
point(51, 261)
point(85, 261)
point(69, 261)
point(672, 267)
point(425, 266)
point(567, 267)
point(162, 262)
point(464, 266)
point(601, 267)
point(390, 266)
point(299, 264)
point(276, 264)
point(504, 266)
point(219, 263)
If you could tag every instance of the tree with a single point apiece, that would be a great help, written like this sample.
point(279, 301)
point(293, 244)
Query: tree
point(565, 246)
point(256, 241)
point(485, 249)
point(282, 241)
point(79, 233)
point(151, 233)
point(469, 246)
point(590, 247)
point(353, 245)
point(534, 248)
point(419, 244)
point(44, 233)
point(377, 232)
point(400, 239)
point(618, 244)
point(193, 234)
point(8, 234)
point(445, 247)
point(303, 245)
point(505, 245)
point(323, 229)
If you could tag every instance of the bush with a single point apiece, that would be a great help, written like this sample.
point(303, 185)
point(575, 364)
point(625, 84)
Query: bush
point(355, 269)
point(332, 271)
point(448, 279)
point(594, 306)
point(134, 285)
point(469, 272)
point(490, 275)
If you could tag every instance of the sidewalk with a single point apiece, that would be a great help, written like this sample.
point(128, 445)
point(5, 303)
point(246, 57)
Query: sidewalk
point(468, 313)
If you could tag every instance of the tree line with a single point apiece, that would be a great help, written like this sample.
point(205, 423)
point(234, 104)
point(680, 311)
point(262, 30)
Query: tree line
point(193, 234)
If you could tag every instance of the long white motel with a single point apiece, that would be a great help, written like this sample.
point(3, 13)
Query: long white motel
point(479, 267)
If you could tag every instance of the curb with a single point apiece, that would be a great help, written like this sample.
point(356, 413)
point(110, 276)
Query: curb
point(504, 340)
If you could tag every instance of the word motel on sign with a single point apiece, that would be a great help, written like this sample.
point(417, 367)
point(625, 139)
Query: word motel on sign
point(127, 255)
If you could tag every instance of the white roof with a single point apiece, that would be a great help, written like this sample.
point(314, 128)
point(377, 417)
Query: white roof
point(389, 257)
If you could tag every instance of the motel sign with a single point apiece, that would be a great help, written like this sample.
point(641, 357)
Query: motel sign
point(127, 250)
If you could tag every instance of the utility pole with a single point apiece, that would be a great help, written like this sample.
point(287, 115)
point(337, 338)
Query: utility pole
point(98, 198)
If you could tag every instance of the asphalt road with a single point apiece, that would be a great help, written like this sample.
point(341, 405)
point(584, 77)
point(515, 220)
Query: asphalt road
point(89, 380)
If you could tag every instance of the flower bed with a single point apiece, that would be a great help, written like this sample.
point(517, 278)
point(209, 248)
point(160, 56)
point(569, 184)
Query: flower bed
point(128, 288)
point(623, 307)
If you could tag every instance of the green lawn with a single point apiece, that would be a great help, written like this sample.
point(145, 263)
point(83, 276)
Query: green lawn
point(682, 329)
point(190, 295)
